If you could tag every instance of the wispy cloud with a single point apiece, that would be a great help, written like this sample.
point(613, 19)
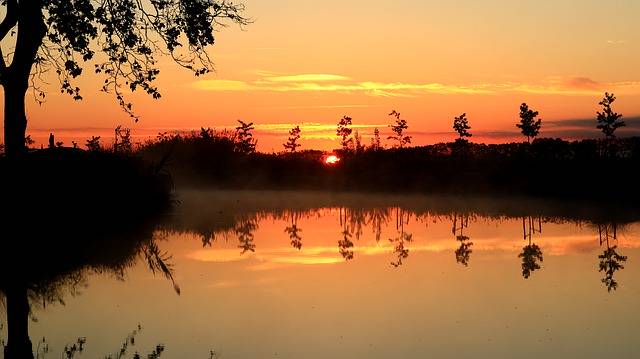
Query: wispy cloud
point(315, 82)
point(306, 78)
point(311, 130)
point(317, 107)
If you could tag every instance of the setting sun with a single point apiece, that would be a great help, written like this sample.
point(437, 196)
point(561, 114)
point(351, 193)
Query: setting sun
point(332, 160)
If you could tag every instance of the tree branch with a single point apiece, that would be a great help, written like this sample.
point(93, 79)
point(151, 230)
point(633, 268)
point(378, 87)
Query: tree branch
point(10, 20)
point(8, 23)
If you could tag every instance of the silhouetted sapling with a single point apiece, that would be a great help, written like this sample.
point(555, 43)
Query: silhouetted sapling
point(344, 131)
point(292, 142)
point(529, 125)
point(608, 120)
point(398, 129)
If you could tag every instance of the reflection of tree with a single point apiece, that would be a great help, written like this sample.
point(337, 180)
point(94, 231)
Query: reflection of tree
point(294, 232)
point(208, 238)
point(356, 219)
point(463, 253)
point(402, 253)
point(345, 245)
point(378, 217)
point(610, 260)
point(244, 230)
point(399, 247)
point(48, 264)
point(531, 253)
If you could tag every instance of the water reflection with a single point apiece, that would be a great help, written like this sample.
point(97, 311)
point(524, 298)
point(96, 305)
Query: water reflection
point(402, 239)
point(463, 253)
point(38, 271)
point(294, 232)
point(263, 233)
point(610, 260)
point(244, 230)
point(243, 218)
point(345, 245)
point(531, 253)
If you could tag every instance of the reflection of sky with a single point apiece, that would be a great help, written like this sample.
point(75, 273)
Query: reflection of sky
point(430, 234)
point(283, 303)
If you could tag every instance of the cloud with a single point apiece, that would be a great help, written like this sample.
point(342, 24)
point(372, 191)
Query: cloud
point(584, 83)
point(317, 82)
point(222, 85)
point(307, 78)
point(586, 128)
point(310, 130)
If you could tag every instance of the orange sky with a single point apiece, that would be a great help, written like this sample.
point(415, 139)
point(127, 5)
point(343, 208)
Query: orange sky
point(307, 62)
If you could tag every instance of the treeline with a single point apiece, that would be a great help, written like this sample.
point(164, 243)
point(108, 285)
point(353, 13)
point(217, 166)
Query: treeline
point(542, 167)
point(600, 169)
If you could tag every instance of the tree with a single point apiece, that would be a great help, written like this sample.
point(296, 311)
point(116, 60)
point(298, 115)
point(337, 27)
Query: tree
point(244, 138)
point(62, 35)
point(608, 120)
point(529, 125)
point(461, 126)
point(376, 144)
point(398, 129)
point(292, 141)
point(122, 140)
point(93, 144)
point(357, 140)
point(344, 131)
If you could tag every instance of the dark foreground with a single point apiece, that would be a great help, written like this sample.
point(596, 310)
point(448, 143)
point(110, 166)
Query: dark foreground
point(605, 171)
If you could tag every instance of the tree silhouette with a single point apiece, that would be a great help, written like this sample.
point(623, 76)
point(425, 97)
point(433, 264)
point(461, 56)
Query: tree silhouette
point(62, 35)
point(376, 143)
point(608, 120)
point(529, 125)
point(244, 138)
point(461, 126)
point(292, 142)
point(93, 144)
point(344, 131)
point(398, 129)
point(358, 147)
point(122, 140)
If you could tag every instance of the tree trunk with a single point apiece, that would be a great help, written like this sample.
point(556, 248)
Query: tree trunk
point(15, 77)
point(15, 119)
point(18, 342)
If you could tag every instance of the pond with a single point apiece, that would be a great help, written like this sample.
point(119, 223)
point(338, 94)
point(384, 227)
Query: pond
point(325, 275)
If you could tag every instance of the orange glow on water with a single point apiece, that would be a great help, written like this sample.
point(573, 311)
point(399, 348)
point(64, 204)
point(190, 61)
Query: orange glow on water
point(332, 160)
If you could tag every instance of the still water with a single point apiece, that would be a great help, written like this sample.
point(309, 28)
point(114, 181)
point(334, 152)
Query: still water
point(317, 275)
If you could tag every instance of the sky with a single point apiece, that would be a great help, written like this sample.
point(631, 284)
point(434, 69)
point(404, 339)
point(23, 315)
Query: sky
point(309, 63)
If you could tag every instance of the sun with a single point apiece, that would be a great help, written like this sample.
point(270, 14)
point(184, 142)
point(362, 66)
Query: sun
point(331, 160)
